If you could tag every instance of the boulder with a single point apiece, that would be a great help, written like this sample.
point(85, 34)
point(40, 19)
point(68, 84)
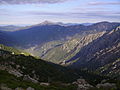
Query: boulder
point(19, 88)
point(44, 84)
point(30, 88)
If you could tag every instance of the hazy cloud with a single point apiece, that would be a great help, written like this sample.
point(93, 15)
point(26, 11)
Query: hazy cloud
point(103, 14)
point(3, 12)
point(104, 3)
point(30, 1)
point(46, 13)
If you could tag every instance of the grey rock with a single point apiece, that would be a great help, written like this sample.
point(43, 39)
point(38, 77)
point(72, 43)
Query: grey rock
point(82, 84)
point(30, 88)
point(44, 84)
point(108, 85)
point(19, 88)
point(28, 78)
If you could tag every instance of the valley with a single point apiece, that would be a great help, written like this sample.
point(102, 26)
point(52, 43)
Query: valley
point(61, 56)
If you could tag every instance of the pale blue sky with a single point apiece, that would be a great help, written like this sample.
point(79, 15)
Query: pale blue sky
point(68, 11)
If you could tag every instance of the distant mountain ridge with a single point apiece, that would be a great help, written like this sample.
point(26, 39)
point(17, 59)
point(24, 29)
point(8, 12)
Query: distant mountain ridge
point(6, 39)
point(40, 34)
point(32, 38)
point(9, 28)
point(61, 23)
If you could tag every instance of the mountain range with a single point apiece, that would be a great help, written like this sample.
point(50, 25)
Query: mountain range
point(82, 49)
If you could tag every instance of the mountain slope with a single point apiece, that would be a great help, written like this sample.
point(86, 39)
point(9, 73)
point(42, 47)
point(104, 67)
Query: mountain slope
point(64, 51)
point(13, 50)
point(46, 39)
point(9, 28)
point(40, 34)
point(35, 68)
point(6, 39)
point(11, 82)
point(19, 71)
point(102, 51)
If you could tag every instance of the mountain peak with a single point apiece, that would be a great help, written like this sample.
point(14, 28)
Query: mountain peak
point(46, 22)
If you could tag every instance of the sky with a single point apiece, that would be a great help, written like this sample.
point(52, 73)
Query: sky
point(29, 12)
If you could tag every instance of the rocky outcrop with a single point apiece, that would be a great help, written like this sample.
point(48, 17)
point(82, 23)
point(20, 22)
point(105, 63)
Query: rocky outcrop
point(30, 88)
point(82, 84)
point(11, 70)
point(106, 85)
point(19, 88)
point(28, 78)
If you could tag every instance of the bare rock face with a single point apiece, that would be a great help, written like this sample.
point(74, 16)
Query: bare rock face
point(15, 72)
point(11, 70)
point(28, 78)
